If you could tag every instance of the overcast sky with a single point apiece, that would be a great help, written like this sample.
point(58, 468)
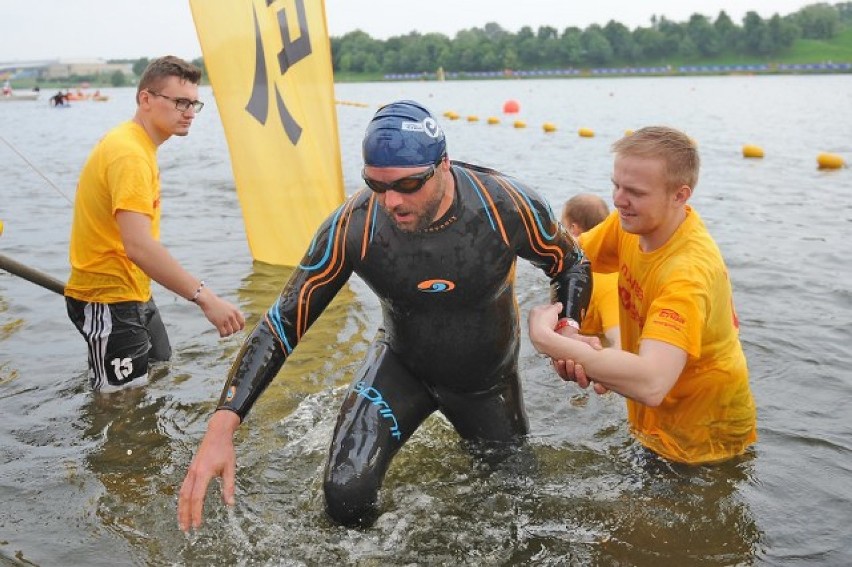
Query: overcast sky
point(115, 29)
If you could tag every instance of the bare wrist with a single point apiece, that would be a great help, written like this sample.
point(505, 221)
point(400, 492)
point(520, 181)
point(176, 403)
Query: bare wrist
point(224, 421)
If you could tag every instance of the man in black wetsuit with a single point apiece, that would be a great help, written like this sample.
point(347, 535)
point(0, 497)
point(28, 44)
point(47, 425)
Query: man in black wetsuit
point(437, 241)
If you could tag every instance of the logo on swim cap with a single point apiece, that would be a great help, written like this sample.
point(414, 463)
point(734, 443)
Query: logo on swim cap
point(429, 127)
point(403, 134)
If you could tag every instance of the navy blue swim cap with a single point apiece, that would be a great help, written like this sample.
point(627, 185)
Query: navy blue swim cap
point(403, 134)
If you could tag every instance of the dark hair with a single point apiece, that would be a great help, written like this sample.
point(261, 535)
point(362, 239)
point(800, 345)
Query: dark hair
point(164, 67)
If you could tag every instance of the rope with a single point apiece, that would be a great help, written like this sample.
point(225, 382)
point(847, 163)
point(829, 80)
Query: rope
point(37, 170)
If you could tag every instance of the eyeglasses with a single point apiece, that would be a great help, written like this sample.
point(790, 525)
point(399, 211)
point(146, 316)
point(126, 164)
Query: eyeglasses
point(182, 104)
point(406, 185)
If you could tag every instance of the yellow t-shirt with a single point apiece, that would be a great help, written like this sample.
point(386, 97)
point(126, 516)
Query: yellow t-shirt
point(602, 313)
point(120, 173)
point(680, 294)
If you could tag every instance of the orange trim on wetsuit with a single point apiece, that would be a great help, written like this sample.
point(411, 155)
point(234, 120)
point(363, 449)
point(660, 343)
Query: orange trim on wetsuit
point(462, 337)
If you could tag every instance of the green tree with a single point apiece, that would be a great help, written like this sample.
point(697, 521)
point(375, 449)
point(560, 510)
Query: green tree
point(596, 47)
point(687, 48)
point(818, 21)
point(672, 35)
point(621, 41)
point(571, 47)
point(783, 31)
point(704, 35)
point(756, 34)
point(117, 79)
point(199, 62)
point(730, 35)
point(650, 42)
point(140, 65)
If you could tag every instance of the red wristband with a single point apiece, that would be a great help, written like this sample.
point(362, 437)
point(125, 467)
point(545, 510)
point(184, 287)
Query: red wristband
point(566, 322)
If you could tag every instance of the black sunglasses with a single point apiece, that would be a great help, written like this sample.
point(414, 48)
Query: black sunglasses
point(181, 104)
point(404, 185)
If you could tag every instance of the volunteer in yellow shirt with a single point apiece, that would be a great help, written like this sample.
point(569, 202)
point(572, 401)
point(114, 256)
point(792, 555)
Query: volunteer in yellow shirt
point(115, 249)
point(684, 373)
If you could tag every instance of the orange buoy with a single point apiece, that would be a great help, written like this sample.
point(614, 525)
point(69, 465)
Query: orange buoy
point(511, 107)
point(493, 120)
point(520, 124)
point(473, 118)
point(752, 151)
point(452, 115)
point(586, 133)
point(830, 161)
point(548, 127)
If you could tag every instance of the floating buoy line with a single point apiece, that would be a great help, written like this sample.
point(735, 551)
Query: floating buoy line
point(750, 151)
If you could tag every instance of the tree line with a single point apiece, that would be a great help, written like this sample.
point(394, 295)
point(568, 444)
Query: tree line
point(491, 48)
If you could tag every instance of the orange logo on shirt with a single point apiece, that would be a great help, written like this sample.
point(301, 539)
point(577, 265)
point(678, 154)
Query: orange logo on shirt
point(157, 202)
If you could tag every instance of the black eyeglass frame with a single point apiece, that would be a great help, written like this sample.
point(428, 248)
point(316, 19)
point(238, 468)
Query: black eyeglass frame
point(181, 104)
point(405, 185)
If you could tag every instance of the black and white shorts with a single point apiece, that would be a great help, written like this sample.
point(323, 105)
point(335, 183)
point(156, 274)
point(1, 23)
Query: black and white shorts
point(122, 339)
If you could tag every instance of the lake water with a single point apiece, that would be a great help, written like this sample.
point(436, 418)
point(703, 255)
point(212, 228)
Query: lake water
point(92, 480)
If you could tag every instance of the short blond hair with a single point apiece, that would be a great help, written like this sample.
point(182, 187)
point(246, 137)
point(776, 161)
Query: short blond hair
point(676, 149)
point(586, 210)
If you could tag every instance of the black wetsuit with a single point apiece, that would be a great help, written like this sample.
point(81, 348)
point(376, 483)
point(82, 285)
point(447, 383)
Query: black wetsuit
point(450, 334)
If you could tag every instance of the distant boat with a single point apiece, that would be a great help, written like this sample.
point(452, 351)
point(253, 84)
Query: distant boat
point(13, 96)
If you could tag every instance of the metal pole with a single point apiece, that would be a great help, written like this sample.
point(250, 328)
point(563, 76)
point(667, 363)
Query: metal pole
point(31, 274)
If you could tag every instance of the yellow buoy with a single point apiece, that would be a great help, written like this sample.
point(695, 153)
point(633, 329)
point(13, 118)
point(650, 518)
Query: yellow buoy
point(493, 120)
point(452, 115)
point(1, 227)
point(586, 133)
point(830, 161)
point(752, 151)
point(520, 124)
point(473, 118)
point(548, 127)
point(628, 132)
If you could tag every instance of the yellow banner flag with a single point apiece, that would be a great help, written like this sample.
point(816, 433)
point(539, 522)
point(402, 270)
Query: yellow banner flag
point(269, 62)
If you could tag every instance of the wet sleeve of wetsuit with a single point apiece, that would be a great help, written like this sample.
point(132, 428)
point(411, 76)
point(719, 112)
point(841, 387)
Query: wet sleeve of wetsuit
point(548, 245)
point(313, 285)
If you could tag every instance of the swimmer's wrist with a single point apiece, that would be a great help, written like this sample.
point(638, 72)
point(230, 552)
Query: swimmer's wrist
point(566, 322)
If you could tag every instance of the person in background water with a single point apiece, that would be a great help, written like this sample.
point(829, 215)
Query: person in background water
point(59, 99)
point(682, 370)
point(579, 214)
point(437, 241)
point(115, 249)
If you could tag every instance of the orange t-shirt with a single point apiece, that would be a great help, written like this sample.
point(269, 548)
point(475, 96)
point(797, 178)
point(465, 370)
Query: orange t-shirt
point(680, 294)
point(120, 173)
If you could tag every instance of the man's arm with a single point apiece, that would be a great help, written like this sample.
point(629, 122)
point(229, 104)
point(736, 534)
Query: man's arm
point(303, 299)
point(154, 259)
point(645, 377)
point(218, 444)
